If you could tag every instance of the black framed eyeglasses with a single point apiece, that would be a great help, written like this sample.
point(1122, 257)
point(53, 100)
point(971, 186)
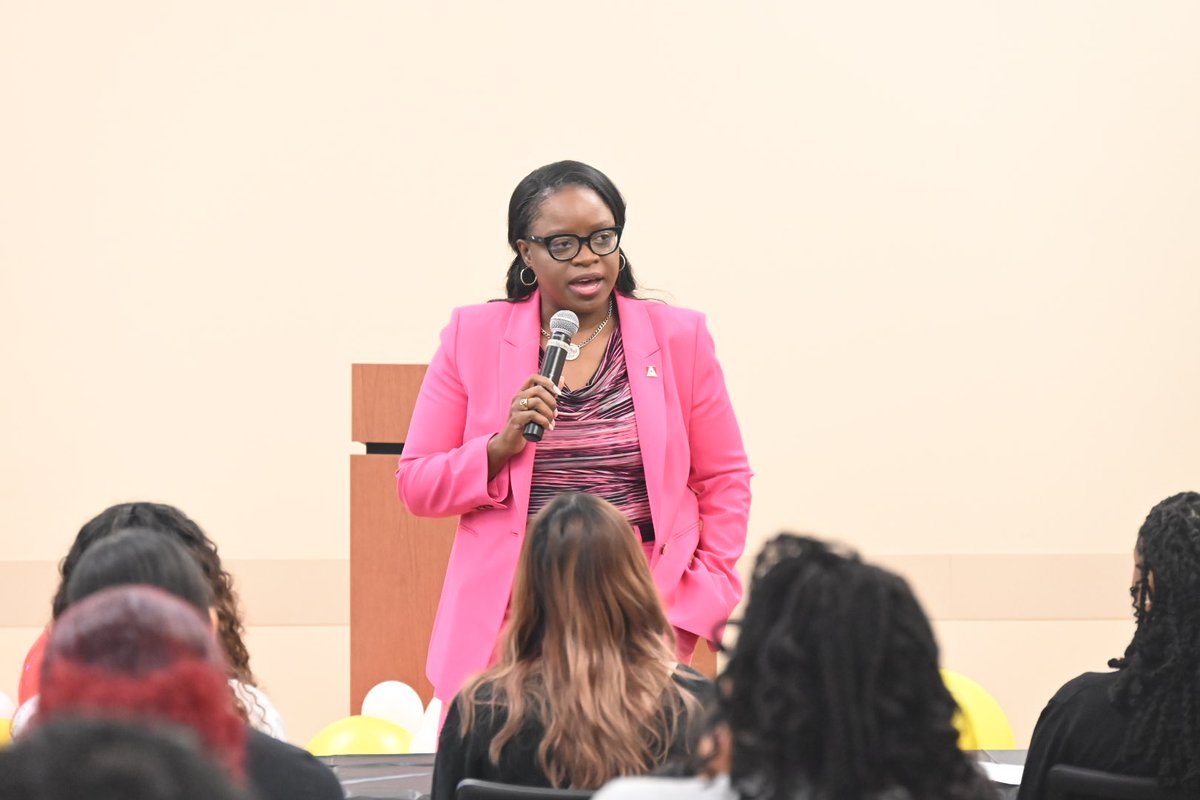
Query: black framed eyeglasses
point(565, 246)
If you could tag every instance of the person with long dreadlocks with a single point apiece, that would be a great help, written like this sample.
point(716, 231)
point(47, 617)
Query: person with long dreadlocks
point(1144, 718)
point(832, 692)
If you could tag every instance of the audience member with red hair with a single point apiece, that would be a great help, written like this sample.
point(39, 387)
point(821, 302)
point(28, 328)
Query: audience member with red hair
point(170, 522)
point(134, 652)
point(125, 648)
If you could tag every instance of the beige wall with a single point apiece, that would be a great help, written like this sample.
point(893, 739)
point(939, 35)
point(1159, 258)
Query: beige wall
point(966, 230)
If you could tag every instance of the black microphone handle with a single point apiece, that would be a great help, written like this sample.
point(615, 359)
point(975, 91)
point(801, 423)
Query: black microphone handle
point(552, 367)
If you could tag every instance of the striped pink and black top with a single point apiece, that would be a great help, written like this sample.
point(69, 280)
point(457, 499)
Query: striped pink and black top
point(594, 445)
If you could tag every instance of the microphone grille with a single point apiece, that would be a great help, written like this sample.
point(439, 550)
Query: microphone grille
point(564, 321)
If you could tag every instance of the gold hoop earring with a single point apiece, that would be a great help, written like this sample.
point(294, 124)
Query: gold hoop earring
point(521, 276)
point(624, 262)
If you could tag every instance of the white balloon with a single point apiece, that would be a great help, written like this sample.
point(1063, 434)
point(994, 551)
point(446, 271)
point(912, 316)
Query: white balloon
point(25, 713)
point(396, 702)
point(7, 706)
point(426, 739)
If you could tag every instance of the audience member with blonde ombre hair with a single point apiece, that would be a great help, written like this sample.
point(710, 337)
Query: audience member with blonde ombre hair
point(586, 687)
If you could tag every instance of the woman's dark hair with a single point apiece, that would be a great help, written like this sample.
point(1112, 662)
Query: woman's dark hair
point(833, 689)
point(527, 199)
point(1159, 682)
point(105, 759)
point(172, 522)
point(139, 556)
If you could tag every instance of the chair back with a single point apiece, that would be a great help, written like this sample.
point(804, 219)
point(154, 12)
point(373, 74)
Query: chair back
point(1065, 782)
point(472, 789)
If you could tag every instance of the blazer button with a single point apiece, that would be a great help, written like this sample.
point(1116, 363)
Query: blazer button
point(663, 550)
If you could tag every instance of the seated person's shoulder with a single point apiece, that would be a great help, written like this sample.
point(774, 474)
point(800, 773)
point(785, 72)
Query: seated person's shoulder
point(1085, 688)
point(482, 692)
point(281, 770)
point(667, 789)
point(488, 711)
point(484, 697)
point(698, 684)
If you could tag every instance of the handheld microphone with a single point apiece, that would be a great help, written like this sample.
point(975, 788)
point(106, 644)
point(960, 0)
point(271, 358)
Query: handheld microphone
point(563, 325)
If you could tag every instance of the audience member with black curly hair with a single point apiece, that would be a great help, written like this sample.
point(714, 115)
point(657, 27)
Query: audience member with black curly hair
point(136, 640)
point(1144, 718)
point(832, 692)
point(169, 521)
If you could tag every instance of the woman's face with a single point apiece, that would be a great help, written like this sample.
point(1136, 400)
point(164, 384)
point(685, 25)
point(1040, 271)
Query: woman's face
point(584, 282)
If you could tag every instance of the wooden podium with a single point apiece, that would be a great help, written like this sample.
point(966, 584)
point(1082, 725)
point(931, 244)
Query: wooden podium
point(397, 560)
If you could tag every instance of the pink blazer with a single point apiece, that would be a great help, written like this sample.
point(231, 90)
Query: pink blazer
point(697, 476)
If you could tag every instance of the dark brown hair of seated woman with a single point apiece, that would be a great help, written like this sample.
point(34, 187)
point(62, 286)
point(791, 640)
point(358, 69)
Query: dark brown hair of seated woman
point(173, 523)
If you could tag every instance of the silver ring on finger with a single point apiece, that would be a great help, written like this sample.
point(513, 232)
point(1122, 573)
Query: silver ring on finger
point(524, 401)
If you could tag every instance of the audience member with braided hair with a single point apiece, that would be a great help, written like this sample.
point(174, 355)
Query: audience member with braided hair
point(831, 693)
point(1144, 718)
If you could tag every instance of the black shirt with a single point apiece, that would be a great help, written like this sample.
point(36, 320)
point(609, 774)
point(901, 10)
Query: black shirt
point(459, 758)
point(276, 770)
point(1080, 726)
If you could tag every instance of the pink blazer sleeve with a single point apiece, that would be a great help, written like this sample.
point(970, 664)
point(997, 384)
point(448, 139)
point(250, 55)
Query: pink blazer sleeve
point(443, 470)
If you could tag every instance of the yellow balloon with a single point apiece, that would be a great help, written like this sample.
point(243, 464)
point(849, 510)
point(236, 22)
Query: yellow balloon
point(980, 721)
point(360, 735)
point(5, 732)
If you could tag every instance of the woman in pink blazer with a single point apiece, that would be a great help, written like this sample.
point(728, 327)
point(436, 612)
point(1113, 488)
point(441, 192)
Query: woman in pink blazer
point(641, 418)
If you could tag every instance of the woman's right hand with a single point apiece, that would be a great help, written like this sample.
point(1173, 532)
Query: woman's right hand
point(537, 401)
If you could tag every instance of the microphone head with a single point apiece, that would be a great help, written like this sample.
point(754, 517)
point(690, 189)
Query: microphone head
point(564, 322)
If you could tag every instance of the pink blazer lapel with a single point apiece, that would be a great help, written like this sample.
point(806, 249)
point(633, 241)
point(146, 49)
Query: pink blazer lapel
point(518, 360)
point(644, 364)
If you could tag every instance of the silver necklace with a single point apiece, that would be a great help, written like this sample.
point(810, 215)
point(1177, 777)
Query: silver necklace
point(572, 348)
